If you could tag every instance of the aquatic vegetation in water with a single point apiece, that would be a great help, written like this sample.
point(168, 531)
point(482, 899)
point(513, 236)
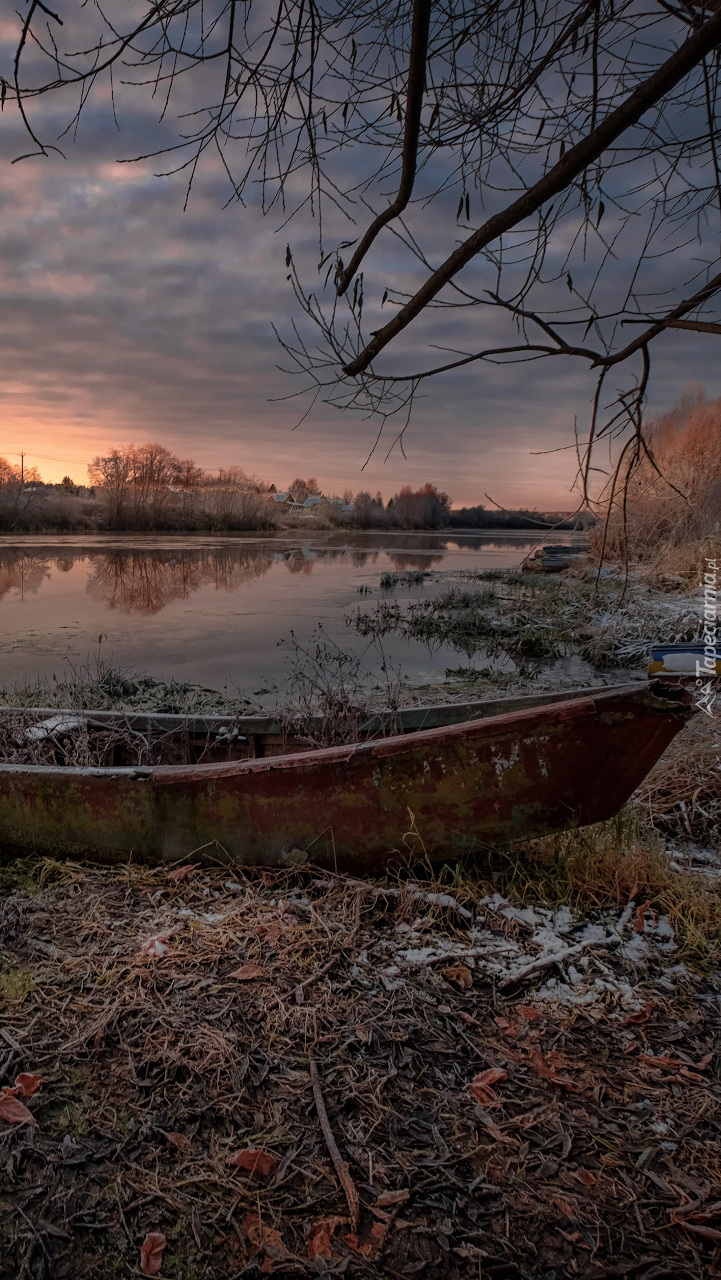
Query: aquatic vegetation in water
point(405, 578)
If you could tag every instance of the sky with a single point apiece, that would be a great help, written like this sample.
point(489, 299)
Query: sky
point(124, 317)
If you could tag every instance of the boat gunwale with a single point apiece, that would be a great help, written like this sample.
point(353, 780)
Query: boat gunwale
point(563, 709)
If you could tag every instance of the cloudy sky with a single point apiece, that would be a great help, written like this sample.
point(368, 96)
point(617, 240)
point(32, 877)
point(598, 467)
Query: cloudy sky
point(125, 318)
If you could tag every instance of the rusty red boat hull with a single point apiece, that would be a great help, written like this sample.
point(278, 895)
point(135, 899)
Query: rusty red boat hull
point(443, 791)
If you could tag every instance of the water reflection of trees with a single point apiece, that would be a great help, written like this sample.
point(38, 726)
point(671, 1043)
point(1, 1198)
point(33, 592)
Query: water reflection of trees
point(22, 572)
point(147, 580)
point(136, 579)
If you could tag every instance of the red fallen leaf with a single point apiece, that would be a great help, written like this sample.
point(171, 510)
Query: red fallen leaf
point(549, 1070)
point(179, 1140)
point(183, 873)
point(705, 1062)
point(639, 922)
point(246, 972)
point(584, 1176)
point(459, 974)
point(151, 1253)
point(641, 1015)
point(255, 1162)
point(682, 1212)
point(264, 1239)
point(13, 1110)
point(662, 1061)
point(480, 1085)
point(503, 1023)
point(575, 1237)
point(320, 1236)
point(563, 1206)
point(28, 1084)
point(526, 1011)
point(372, 1243)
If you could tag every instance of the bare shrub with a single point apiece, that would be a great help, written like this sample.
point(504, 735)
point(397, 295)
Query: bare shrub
point(328, 693)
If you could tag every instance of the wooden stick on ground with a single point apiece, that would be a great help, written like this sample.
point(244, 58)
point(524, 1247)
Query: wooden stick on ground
point(339, 1163)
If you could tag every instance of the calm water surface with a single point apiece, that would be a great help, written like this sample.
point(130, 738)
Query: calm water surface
point(217, 611)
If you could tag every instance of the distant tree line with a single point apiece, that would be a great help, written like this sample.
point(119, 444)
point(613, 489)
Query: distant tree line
point(480, 518)
point(147, 487)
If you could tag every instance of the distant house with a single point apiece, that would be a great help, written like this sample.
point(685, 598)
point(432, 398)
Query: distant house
point(284, 499)
point(311, 503)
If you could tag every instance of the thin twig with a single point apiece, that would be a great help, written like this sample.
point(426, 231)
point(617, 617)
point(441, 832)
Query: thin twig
point(339, 1163)
point(545, 962)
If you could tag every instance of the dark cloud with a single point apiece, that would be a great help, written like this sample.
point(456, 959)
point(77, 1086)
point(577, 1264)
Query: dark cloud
point(123, 317)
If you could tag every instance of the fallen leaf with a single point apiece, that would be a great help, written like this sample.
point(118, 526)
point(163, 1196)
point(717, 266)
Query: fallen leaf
point(526, 1011)
point(183, 873)
point(547, 1069)
point(640, 921)
point(151, 1253)
point(155, 947)
point(372, 1243)
point(264, 1239)
point(13, 1110)
point(565, 1208)
point(662, 1061)
point(480, 1085)
point(246, 972)
point(320, 1236)
point(575, 1237)
point(459, 974)
point(641, 1015)
point(705, 1062)
point(28, 1084)
point(503, 1023)
point(179, 1140)
point(584, 1176)
point(255, 1162)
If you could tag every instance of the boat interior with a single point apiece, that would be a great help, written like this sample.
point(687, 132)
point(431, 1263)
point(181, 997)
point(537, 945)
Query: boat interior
point(47, 735)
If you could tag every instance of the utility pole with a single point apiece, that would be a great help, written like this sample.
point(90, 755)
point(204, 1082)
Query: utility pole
point(22, 469)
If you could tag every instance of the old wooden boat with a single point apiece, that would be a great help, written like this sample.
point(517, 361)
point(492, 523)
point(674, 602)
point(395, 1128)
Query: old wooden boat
point(553, 558)
point(447, 780)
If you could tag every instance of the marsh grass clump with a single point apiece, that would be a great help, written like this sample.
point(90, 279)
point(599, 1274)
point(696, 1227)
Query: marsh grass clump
point(390, 580)
point(492, 677)
point(98, 684)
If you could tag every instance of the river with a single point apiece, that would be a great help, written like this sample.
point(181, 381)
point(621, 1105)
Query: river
point(219, 611)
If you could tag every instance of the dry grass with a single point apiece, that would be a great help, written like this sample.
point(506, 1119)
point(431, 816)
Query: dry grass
point(682, 794)
point(609, 865)
point(673, 501)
